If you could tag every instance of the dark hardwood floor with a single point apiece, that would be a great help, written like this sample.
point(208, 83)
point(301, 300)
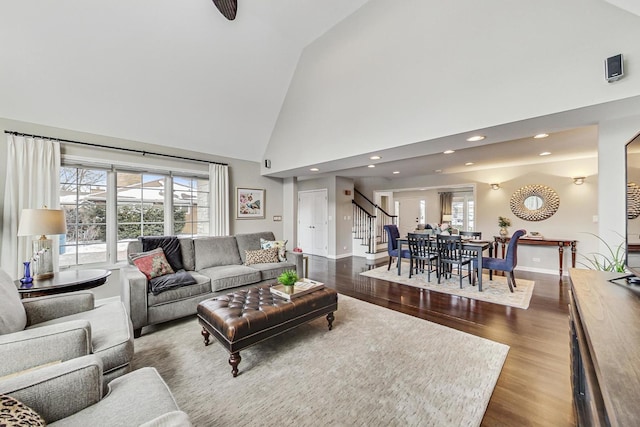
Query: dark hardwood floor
point(534, 387)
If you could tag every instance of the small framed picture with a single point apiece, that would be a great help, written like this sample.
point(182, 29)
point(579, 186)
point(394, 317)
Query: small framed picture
point(250, 203)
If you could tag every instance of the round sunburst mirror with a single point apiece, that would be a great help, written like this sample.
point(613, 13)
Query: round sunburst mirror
point(534, 202)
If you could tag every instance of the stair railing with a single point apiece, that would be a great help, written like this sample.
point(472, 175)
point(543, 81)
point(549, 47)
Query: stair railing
point(363, 226)
point(381, 218)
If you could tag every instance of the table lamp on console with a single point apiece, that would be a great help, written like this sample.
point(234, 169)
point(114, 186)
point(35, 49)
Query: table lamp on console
point(42, 222)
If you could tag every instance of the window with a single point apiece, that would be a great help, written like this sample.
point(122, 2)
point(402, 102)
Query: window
point(140, 203)
point(463, 212)
point(83, 198)
point(190, 206)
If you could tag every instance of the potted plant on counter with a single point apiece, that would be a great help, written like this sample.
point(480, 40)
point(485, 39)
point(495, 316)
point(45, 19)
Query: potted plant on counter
point(503, 223)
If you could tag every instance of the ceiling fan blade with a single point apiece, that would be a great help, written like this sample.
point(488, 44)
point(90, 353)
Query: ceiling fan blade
point(227, 7)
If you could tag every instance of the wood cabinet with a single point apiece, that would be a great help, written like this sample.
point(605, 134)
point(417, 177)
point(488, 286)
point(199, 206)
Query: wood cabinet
point(604, 323)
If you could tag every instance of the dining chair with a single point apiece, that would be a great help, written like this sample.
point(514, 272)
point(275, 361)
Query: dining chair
point(471, 235)
point(450, 256)
point(392, 244)
point(422, 254)
point(508, 264)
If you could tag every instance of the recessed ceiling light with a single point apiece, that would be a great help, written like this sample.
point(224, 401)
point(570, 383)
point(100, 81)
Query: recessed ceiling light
point(475, 138)
point(438, 171)
point(371, 166)
point(449, 152)
point(314, 169)
point(396, 172)
point(541, 135)
point(375, 157)
point(545, 153)
point(468, 163)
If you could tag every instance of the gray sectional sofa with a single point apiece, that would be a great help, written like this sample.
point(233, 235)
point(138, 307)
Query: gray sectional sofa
point(218, 266)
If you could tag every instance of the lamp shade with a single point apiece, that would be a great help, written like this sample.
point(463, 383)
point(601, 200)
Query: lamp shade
point(446, 218)
point(34, 222)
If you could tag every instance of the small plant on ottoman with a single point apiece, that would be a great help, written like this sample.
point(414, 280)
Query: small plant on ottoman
point(288, 278)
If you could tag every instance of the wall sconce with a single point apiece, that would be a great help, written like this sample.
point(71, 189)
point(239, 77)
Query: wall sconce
point(495, 186)
point(579, 180)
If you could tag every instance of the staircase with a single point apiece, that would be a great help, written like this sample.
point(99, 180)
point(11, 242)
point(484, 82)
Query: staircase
point(369, 238)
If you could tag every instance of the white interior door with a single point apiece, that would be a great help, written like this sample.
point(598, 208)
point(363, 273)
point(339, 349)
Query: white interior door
point(408, 215)
point(312, 222)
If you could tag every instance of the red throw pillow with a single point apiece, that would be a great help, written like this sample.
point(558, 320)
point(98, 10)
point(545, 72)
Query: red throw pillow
point(152, 263)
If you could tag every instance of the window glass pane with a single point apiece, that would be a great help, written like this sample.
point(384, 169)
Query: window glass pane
point(190, 206)
point(83, 197)
point(140, 207)
point(128, 232)
point(202, 228)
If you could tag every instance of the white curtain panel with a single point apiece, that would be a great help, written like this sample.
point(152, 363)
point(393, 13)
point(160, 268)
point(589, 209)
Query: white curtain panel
point(219, 180)
point(32, 181)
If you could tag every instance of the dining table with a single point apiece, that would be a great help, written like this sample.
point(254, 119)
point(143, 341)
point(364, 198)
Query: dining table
point(476, 246)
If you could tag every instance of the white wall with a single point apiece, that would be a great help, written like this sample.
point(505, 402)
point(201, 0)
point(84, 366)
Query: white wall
point(612, 138)
point(392, 74)
point(241, 173)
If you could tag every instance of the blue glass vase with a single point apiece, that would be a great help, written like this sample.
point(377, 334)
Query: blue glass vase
point(27, 273)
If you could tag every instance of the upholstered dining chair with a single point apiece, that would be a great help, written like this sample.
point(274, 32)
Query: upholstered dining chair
point(450, 256)
point(422, 253)
point(508, 264)
point(392, 244)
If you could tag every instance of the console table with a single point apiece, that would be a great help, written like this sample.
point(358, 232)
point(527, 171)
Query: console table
point(604, 320)
point(64, 281)
point(559, 243)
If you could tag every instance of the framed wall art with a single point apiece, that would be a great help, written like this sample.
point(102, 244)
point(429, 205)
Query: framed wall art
point(250, 203)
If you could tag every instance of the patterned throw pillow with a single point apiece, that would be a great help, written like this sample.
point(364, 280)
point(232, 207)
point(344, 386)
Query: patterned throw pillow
point(280, 244)
point(261, 256)
point(16, 413)
point(152, 263)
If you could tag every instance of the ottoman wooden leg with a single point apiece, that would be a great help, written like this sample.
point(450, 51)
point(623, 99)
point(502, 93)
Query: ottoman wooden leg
point(330, 320)
point(206, 335)
point(234, 361)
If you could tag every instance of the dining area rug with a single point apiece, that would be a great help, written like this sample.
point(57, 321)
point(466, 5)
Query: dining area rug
point(495, 291)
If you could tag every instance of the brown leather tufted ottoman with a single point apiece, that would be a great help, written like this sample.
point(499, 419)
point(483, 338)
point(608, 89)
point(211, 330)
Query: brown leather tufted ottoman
point(243, 318)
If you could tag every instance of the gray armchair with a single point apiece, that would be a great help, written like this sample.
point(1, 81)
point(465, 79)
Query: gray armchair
point(37, 331)
point(70, 394)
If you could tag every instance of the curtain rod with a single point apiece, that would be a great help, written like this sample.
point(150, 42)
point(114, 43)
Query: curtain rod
point(131, 150)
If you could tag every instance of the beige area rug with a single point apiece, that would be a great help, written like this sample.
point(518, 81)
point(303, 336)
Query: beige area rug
point(376, 367)
point(495, 291)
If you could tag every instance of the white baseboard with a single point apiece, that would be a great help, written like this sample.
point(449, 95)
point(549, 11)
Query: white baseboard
point(339, 256)
point(542, 270)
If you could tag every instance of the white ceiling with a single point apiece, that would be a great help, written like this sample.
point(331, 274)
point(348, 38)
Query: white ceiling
point(177, 73)
point(173, 73)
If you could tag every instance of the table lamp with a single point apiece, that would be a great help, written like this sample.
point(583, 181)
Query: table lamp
point(40, 222)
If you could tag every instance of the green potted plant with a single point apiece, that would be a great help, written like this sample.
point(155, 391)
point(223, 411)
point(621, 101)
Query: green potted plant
point(614, 260)
point(288, 278)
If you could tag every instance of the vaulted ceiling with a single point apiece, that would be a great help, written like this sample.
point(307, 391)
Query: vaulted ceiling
point(180, 74)
point(173, 73)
